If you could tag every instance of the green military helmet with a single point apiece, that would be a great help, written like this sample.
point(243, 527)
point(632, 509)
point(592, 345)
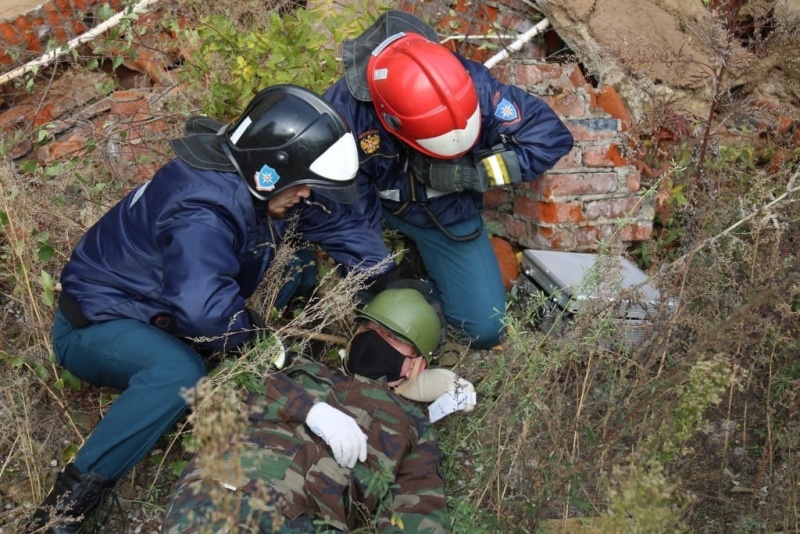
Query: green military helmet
point(408, 315)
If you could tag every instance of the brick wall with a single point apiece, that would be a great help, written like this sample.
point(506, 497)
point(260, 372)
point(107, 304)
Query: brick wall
point(26, 36)
point(593, 193)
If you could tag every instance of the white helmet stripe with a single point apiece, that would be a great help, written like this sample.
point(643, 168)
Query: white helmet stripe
point(340, 162)
point(455, 142)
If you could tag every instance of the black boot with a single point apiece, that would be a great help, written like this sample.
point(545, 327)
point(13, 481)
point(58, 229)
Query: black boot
point(75, 496)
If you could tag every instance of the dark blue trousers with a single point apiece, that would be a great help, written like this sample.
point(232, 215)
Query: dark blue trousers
point(150, 368)
point(465, 275)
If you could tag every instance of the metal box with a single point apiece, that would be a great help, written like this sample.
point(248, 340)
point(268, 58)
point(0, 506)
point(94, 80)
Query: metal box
point(571, 280)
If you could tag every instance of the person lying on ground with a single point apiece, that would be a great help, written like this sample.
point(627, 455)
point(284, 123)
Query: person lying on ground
point(283, 478)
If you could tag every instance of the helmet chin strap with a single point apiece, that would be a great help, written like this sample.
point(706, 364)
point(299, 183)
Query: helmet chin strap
point(250, 188)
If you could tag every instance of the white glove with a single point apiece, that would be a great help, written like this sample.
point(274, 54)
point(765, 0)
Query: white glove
point(433, 383)
point(340, 431)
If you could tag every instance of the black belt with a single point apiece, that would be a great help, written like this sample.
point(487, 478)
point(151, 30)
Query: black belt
point(69, 307)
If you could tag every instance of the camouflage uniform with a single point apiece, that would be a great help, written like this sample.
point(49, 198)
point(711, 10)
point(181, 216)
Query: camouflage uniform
point(292, 471)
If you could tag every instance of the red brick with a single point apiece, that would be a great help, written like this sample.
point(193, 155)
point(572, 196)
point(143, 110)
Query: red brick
point(568, 104)
point(71, 145)
point(496, 196)
point(593, 129)
point(638, 231)
point(545, 237)
point(575, 184)
point(5, 59)
point(77, 28)
point(534, 74)
point(603, 156)
point(514, 227)
point(503, 73)
point(577, 78)
point(32, 44)
point(52, 15)
point(613, 208)
point(572, 160)
point(8, 34)
point(491, 215)
point(16, 115)
point(28, 39)
point(513, 21)
point(60, 34)
point(38, 24)
point(548, 212)
point(129, 103)
point(609, 101)
point(634, 180)
point(43, 116)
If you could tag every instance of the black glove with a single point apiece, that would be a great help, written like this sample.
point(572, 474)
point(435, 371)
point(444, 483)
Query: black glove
point(256, 321)
point(445, 175)
point(488, 169)
point(377, 285)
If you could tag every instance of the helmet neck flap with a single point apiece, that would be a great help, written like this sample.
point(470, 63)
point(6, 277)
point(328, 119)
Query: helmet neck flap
point(286, 136)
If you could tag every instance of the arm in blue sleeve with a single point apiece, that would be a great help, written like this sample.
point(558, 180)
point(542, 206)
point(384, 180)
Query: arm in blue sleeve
point(524, 122)
point(200, 268)
point(351, 236)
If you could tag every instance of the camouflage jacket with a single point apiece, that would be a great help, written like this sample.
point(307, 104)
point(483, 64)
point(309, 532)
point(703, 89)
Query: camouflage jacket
point(399, 485)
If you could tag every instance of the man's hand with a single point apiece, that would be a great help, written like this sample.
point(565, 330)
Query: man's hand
point(488, 169)
point(446, 175)
point(340, 431)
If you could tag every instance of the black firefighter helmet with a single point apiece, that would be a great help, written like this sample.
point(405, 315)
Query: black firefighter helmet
point(286, 136)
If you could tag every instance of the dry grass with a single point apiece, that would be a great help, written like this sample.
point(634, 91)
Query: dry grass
point(696, 425)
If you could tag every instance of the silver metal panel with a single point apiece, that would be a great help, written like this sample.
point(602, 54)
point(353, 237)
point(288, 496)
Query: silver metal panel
point(573, 277)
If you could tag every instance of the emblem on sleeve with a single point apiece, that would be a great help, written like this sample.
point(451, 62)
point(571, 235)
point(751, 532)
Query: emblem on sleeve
point(506, 111)
point(266, 178)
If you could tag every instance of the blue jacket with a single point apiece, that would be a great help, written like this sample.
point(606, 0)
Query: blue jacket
point(509, 116)
point(191, 244)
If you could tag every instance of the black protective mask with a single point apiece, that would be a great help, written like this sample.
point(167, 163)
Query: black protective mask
point(371, 356)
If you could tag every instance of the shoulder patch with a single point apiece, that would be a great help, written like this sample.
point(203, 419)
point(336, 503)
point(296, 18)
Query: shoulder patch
point(506, 111)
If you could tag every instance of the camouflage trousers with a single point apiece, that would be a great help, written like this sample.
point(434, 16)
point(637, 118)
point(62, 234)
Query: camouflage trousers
point(207, 507)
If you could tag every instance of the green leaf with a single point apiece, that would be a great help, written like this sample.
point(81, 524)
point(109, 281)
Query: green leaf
point(45, 253)
point(69, 452)
point(176, 468)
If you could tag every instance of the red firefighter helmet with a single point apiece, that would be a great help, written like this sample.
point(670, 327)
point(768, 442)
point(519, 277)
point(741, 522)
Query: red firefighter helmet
point(424, 96)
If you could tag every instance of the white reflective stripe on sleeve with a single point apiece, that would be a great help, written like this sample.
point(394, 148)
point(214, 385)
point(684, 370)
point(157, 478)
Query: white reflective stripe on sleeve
point(497, 169)
point(390, 194)
point(433, 193)
point(394, 194)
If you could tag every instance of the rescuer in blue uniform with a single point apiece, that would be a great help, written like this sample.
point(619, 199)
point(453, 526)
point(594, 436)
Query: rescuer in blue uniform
point(167, 271)
point(434, 131)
